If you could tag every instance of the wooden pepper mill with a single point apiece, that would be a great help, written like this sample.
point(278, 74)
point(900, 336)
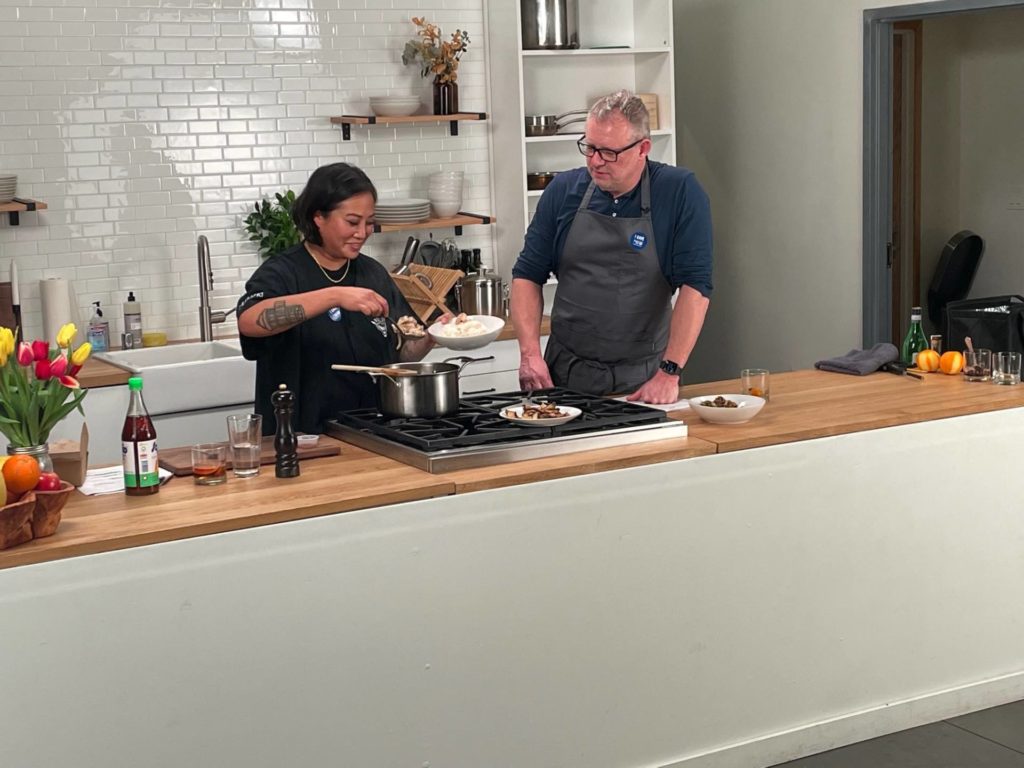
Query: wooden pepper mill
point(286, 457)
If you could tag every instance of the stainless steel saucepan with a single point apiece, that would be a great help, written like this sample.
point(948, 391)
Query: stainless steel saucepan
point(549, 125)
point(420, 390)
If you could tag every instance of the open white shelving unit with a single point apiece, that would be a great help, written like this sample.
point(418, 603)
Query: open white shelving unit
point(624, 44)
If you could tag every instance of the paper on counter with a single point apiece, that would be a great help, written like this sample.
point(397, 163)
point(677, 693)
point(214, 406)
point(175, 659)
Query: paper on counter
point(678, 405)
point(111, 480)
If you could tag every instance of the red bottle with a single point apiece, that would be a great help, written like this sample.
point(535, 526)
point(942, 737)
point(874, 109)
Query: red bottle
point(138, 446)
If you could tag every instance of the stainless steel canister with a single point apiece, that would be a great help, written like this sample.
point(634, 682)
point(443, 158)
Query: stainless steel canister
point(550, 24)
point(481, 294)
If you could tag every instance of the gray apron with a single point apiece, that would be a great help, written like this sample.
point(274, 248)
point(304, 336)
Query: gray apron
point(612, 311)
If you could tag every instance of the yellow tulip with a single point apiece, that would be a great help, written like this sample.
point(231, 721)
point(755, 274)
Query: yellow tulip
point(6, 343)
point(80, 355)
point(66, 334)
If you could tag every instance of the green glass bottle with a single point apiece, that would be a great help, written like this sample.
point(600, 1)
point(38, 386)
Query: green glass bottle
point(915, 340)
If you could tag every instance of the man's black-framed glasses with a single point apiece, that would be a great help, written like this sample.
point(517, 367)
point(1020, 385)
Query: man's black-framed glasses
point(608, 155)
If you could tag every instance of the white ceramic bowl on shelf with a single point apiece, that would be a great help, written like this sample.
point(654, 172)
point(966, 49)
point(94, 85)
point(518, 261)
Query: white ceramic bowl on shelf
point(445, 210)
point(748, 406)
point(383, 106)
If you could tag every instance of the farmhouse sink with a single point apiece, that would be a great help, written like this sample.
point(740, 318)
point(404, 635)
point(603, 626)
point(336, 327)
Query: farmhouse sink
point(189, 377)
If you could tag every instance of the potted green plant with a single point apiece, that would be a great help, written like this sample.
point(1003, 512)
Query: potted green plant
point(270, 225)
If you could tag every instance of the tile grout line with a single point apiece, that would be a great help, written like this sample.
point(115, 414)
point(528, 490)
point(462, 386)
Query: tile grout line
point(986, 738)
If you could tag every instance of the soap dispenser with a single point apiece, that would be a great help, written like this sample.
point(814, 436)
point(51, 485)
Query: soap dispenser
point(99, 330)
point(133, 319)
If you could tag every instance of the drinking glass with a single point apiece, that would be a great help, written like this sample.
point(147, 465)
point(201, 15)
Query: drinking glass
point(978, 365)
point(208, 463)
point(245, 435)
point(1006, 368)
point(755, 382)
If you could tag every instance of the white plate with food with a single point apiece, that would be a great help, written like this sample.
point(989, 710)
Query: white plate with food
point(727, 409)
point(466, 331)
point(540, 414)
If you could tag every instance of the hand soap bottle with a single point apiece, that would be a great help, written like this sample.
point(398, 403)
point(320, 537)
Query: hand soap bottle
point(133, 319)
point(99, 330)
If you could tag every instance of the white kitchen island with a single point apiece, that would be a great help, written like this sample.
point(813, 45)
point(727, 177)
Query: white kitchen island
point(736, 609)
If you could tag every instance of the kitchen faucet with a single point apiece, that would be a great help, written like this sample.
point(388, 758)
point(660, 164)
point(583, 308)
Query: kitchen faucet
point(207, 316)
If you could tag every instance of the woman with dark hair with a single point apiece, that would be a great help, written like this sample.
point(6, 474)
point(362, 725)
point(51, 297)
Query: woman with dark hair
point(322, 302)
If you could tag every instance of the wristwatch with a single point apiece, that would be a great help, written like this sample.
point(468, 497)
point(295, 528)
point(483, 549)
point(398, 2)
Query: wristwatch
point(671, 368)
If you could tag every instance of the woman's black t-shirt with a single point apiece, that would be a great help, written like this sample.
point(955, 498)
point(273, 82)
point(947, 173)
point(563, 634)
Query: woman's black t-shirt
point(302, 356)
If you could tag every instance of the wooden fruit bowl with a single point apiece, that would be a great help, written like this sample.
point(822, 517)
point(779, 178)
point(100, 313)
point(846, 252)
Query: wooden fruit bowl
point(16, 521)
point(46, 515)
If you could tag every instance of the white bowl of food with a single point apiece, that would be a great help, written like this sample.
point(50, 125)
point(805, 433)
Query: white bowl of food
point(727, 409)
point(466, 331)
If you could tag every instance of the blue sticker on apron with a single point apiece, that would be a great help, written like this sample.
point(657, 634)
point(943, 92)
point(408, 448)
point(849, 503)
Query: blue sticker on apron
point(638, 240)
point(334, 313)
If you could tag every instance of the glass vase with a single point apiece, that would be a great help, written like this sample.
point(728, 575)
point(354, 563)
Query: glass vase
point(446, 97)
point(40, 453)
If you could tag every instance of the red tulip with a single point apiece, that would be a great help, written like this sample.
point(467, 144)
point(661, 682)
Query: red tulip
point(43, 370)
point(40, 350)
point(25, 356)
point(58, 366)
point(70, 382)
point(74, 369)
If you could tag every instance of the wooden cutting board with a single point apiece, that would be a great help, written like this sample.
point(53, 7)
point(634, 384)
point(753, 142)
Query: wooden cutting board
point(179, 460)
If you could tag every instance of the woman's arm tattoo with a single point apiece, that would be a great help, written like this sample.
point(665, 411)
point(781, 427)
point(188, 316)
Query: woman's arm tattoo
point(281, 316)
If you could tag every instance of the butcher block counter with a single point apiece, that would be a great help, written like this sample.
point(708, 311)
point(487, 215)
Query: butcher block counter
point(804, 405)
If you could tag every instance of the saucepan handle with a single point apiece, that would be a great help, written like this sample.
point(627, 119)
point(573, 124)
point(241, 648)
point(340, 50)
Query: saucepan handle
point(467, 360)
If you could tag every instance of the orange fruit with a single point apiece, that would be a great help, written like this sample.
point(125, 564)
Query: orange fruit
point(927, 360)
point(21, 473)
point(951, 362)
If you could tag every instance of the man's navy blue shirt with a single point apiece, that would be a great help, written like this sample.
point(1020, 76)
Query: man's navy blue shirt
point(680, 215)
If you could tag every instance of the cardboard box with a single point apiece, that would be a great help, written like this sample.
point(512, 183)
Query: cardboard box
point(71, 459)
point(650, 101)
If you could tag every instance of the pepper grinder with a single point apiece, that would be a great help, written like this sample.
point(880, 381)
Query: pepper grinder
point(286, 457)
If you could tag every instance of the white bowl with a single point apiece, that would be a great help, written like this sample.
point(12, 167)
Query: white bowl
point(445, 210)
point(748, 407)
point(492, 324)
point(394, 110)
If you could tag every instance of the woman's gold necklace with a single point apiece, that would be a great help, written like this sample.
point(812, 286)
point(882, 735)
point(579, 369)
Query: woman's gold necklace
point(344, 274)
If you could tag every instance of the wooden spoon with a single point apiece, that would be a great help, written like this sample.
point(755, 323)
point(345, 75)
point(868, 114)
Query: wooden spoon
point(970, 346)
point(374, 369)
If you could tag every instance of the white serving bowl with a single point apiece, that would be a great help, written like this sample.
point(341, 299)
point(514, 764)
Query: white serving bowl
point(492, 324)
point(445, 210)
point(749, 407)
point(394, 110)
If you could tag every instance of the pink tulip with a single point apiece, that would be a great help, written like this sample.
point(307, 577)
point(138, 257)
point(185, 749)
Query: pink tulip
point(43, 370)
point(25, 356)
point(40, 350)
point(70, 382)
point(58, 366)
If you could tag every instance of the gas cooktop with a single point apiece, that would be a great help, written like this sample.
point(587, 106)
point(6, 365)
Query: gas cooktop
point(478, 435)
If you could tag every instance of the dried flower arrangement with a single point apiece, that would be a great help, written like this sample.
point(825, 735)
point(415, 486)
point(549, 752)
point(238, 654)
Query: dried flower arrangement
point(436, 57)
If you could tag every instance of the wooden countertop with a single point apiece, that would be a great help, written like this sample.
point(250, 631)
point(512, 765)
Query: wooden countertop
point(809, 404)
point(97, 373)
point(804, 405)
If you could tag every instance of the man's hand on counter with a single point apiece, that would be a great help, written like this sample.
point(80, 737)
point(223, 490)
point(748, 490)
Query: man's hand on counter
point(534, 374)
point(661, 388)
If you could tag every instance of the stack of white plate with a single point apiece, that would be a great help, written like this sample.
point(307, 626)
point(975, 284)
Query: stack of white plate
point(445, 193)
point(394, 106)
point(402, 210)
point(8, 186)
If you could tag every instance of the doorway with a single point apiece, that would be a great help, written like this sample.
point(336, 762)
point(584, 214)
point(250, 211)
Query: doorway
point(893, 45)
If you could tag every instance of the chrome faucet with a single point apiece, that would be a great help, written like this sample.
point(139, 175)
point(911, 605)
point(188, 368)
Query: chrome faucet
point(207, 316)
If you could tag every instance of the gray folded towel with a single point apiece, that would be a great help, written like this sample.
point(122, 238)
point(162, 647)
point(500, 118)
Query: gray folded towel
point(860, 362)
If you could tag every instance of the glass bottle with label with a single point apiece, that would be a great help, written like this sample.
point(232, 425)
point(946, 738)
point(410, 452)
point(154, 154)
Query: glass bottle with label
point(138, 445)
point(915, 340)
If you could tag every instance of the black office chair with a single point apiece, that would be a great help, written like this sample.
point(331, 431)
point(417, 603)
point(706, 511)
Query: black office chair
point(953, 276)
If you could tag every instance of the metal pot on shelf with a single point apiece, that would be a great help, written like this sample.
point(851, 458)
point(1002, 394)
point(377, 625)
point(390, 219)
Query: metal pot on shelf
point(549, 125)
point(550, 24)
point(482, 293)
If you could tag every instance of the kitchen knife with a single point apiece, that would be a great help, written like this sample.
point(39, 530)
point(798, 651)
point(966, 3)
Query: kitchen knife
point(411, 246)
point(900, 369)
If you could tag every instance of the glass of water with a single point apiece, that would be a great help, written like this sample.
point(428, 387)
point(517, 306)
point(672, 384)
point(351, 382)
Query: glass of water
point(1006, 368)
point(245, 435)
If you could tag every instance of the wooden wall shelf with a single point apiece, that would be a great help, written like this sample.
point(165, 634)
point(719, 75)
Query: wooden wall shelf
point(19, 205)
point(347, 121)
point(459, 221)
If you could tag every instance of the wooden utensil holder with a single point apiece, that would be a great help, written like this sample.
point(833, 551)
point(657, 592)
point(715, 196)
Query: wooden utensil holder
point(422, 299)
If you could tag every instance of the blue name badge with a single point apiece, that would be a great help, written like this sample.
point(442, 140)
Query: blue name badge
point(334, 313)
point(638, 240)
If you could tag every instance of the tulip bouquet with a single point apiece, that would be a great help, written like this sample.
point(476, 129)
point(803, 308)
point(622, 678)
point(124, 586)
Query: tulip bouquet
point(36, 382)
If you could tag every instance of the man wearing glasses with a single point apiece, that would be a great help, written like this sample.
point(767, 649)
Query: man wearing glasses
point(622, 235)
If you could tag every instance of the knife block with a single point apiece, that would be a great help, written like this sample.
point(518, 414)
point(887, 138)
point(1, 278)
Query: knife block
point(424, 296)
